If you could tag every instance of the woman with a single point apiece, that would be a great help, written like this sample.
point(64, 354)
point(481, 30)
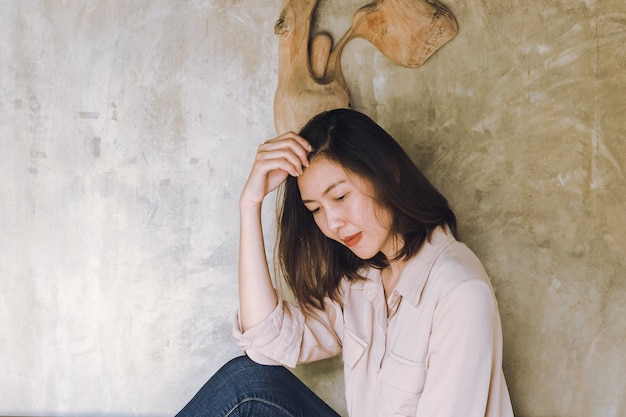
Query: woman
point(367, 247)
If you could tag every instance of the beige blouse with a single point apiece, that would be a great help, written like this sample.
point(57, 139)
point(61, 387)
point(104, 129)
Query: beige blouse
point(432, 349)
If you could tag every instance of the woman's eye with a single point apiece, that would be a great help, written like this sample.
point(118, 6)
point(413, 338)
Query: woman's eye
point(341, 197)
point(315, 210)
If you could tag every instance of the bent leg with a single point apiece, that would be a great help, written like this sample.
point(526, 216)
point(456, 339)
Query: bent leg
point(244, 388)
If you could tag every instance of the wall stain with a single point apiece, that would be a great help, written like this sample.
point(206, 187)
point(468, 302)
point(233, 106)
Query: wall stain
point(96, 147)
point(87, 115)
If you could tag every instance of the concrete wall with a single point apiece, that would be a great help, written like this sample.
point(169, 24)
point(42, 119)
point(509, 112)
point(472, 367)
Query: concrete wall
point(126, 132)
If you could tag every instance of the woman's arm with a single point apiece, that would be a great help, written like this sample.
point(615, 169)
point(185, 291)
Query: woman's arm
point(275, 160)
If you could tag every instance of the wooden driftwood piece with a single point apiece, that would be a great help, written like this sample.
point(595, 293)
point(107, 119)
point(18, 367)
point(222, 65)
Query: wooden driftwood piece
point(302, 92)
point(408, 32)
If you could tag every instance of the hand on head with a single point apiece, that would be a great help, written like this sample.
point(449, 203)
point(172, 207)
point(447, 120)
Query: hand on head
point(275, 159)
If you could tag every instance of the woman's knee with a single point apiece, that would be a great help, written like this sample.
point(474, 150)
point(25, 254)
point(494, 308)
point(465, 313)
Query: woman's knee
point(244, 373)
point(240, 367)
point(224, 390)
point(244, 387)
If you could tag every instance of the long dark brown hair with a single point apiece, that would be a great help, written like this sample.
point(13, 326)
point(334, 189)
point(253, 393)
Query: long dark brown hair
point(314, 265)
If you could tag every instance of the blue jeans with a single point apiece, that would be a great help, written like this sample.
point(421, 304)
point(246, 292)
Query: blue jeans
point(244, 388)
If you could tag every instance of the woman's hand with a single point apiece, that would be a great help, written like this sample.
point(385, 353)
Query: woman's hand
point(275, 159)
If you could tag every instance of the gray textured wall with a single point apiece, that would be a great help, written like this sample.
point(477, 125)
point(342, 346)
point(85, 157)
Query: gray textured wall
point(126, 132)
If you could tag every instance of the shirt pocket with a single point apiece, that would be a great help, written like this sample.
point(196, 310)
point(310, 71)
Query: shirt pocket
point(353, 348)
point(402, 374)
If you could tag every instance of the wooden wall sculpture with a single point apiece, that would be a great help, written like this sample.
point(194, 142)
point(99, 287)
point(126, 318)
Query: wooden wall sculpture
point(309, 70)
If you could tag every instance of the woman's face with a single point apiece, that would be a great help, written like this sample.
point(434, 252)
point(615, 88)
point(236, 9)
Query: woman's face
point(344, 209)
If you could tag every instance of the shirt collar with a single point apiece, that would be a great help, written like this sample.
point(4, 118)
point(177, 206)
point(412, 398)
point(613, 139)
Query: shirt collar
point(416, 273)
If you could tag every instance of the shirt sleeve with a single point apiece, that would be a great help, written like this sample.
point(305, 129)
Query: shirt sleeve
point(288, 337)
point(464, 359)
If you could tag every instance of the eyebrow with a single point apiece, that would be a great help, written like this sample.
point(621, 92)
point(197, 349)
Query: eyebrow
point(329, 189)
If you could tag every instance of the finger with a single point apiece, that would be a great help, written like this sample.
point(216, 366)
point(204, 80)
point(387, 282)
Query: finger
point(272, 156)
point(296, 143)
point(284, 159)
point(289, 139)
point(286, 149)
point(302, 141)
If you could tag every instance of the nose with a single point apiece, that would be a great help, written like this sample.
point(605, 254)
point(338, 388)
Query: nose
point(334, 220)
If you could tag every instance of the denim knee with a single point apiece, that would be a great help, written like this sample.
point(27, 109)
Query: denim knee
point(243, 387)
point(248, 377)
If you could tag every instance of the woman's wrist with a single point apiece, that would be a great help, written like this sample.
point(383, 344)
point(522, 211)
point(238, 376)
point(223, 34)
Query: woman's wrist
point(249, 205)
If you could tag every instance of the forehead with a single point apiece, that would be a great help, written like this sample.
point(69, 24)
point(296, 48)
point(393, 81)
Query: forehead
point(323, 175)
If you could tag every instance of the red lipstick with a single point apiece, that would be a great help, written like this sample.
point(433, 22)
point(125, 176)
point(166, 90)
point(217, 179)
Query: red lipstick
point(352, 239)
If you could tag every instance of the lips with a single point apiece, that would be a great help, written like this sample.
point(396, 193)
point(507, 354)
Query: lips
point(352, 240)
